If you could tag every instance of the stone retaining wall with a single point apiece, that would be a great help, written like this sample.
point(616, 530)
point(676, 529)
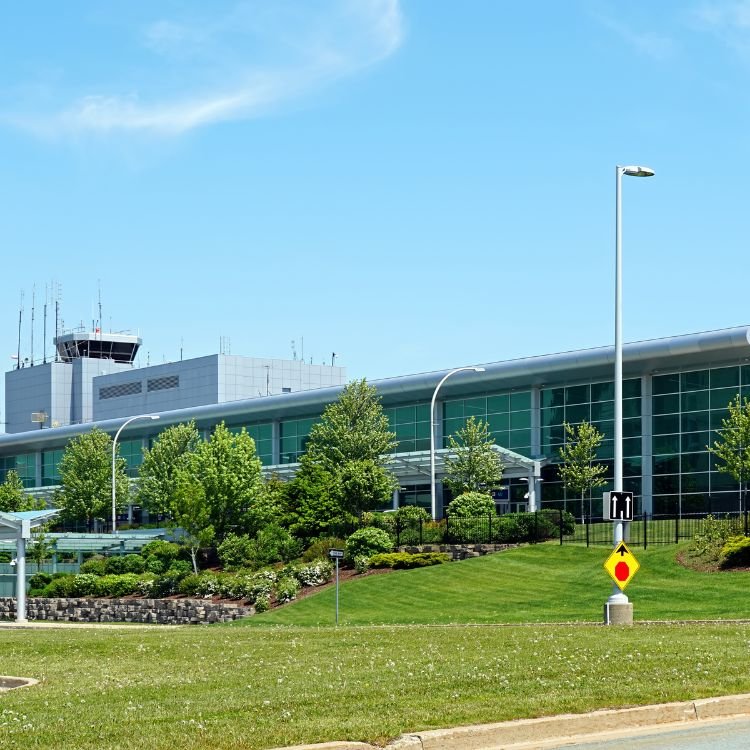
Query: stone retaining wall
point(161, 611)
point(458, 551)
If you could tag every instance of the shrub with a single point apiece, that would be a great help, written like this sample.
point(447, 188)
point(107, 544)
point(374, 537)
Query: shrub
point(711, 538)
point(235, 551)
point(161, 550)
point(412, 513)
point(315, 574)
point(471, 505)
point(146, 584)
point(368, 541)
point(155, 565)
point(262, 603)
point(120, 564)
point(735, 553)
point(552, 516)
point(167, 583)
point(39, 580)
point(321, 547)
point(190, 584)
point(117, 585)
point(274, 544)
point(94, 565)
point(61, 587)
point(384, 521)
point(525, 527)
point(361, 564)
point(180, 566)
point(404, 560)
point(286, 589)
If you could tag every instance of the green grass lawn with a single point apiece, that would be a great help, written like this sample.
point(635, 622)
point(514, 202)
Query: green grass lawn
point(240, 688)
point(251, 688)
point(537, 583)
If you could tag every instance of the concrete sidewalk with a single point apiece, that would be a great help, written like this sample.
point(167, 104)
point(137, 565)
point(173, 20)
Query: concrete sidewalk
point(557, 731)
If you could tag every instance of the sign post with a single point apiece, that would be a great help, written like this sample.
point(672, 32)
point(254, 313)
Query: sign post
point(336, 554)
point(618, 508)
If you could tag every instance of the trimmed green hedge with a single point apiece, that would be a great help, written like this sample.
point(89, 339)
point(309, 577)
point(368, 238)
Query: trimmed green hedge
point(403, 560)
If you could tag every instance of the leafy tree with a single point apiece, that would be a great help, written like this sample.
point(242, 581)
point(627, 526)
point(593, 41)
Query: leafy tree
point(312, 503)
point(190, 512)
point(267, 505)
point(351, 442)
point(13, 496)
point(475, 467)
point(733, 446)
point(229, 472)
point(39, 549)
point(472, 505)
point(579, 471)
point(158, 474)
point(85, 491)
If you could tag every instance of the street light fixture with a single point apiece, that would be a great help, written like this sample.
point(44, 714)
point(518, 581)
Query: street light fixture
point(432, 432)
point(114, 455)
point(631, 171)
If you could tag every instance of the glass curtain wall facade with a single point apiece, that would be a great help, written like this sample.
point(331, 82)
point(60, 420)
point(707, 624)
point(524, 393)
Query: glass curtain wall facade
point(24, 465)
point(594, 403)
point(688, 409)
point(508, 415)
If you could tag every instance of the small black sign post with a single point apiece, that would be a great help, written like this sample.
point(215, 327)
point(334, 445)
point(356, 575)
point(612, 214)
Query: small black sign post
point(336, 554)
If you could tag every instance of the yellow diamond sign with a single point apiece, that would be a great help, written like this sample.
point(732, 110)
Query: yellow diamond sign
point(621, 565)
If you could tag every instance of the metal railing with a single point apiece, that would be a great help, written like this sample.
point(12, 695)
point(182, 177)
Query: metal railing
point(647, 528)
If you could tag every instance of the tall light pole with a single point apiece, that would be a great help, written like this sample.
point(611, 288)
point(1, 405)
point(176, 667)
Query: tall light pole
point(432, 431)
point(617, 596)
point(114, 456)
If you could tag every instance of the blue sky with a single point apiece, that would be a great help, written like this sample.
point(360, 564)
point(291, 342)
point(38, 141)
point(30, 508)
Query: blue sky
point(413, 185)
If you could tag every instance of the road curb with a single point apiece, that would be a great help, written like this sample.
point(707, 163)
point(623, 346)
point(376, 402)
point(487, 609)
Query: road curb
point(506, 734)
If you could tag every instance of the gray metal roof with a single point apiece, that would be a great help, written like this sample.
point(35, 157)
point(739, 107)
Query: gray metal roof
point(698, 349)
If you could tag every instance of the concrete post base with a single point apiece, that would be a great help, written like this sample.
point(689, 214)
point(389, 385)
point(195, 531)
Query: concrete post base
point(618, 614)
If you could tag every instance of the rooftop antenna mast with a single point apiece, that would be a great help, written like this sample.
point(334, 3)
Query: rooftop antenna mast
point(294, 351)
point(44, 327)
point(33, 302)
point(20, 318)
point(101, 322)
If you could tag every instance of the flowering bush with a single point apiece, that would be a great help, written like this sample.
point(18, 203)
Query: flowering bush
point(287, 589)
point(315, 574)
point(361, 564)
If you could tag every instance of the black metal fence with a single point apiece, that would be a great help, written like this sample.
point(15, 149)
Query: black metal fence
point(646, 529)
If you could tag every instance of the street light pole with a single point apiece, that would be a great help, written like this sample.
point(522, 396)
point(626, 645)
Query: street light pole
point(114, 456)
point(432, 432)
point(617, 596)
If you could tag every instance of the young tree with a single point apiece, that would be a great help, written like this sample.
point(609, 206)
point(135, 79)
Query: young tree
point(14, 498)
point(229, 472)
point(190, 512)
point(579, 471)
point(85, 491)
point(733, 446)
point(351, 442)
point(39, 549)
point(475, 467)
point(162, 464)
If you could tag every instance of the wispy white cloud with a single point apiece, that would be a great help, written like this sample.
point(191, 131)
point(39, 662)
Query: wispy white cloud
point(648, 43)
point(249, 61)
point(729, 21)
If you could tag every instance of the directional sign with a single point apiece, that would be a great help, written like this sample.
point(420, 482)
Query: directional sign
point(618, 506)
point(621, 565)
point(336, 554)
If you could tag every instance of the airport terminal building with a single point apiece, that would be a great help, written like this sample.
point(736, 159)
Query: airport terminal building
point(675, 392)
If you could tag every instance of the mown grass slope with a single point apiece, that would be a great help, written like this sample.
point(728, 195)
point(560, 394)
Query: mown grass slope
point(537, 583)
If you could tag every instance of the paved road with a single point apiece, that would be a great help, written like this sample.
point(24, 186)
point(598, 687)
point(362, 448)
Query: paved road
point(733, 734)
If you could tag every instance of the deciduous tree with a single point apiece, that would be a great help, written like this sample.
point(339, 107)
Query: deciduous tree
point(161, 466)
point(85, 491)
point(474, 465)
point(579, 471)
point(733, 446)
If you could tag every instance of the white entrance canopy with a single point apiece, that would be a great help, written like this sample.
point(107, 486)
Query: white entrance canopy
point(19, 526)
point(414, 467)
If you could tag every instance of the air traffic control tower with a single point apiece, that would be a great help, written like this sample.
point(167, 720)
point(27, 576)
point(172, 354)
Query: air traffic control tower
point(59, 392)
